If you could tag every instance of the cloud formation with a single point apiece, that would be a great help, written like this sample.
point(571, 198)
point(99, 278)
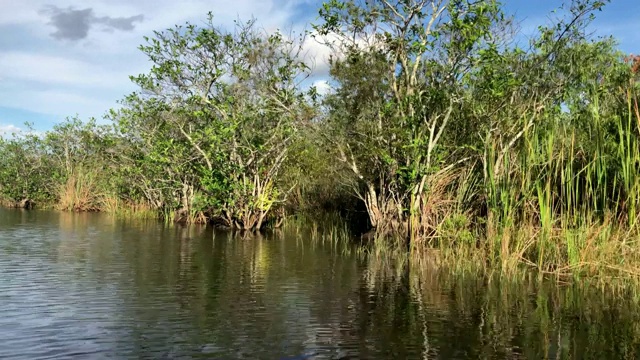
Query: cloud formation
point(45, 76)
point(9, 129)
point(73, 25)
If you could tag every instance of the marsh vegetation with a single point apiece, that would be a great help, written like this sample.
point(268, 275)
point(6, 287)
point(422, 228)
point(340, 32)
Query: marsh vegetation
point(446, 131)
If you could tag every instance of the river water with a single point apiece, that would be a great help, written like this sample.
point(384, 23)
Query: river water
point(89, 286)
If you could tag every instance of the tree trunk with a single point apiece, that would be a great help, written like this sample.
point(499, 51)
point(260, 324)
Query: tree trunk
point(373, 209)
point(186, 203)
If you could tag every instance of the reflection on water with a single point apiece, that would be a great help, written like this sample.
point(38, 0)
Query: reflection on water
point(91, 286)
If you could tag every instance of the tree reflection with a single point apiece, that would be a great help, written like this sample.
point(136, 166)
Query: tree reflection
point(187, 291)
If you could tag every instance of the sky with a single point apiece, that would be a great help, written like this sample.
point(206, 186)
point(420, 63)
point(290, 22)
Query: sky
point(61, 58)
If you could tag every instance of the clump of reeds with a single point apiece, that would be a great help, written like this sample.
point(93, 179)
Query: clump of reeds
point(81, 192)
point(562, 205)
point(134, 210)
point(566, 210)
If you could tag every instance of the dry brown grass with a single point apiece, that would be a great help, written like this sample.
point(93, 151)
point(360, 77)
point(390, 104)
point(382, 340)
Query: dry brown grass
point(80, 193)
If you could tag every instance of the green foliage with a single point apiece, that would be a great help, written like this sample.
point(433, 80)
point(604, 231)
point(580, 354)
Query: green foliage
point(25, 171)
point(401, 71)
point(214, 120)
point(439, 128)
point(43, 168)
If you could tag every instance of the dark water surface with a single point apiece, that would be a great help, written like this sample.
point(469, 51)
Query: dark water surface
point(89, 286)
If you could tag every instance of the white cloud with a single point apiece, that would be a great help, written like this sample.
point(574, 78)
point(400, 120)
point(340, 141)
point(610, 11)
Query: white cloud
point(56, 70)
point(318, 53)
point(322, 87)
point(87, 76)
point(18, 12)
point(8, 129)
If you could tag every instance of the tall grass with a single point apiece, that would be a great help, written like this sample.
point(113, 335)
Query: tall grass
point(81, 192)
point(128, 209)
point(565, 208)
point(84, 190)
point(564, 203)
point(629, 159)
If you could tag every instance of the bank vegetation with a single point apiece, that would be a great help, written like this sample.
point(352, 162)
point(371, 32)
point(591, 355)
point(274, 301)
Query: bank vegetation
point(446, 129)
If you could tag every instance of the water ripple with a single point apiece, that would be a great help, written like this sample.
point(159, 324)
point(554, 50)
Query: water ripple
point(88, 286)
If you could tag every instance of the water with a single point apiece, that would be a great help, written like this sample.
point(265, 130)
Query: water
point(89, 286)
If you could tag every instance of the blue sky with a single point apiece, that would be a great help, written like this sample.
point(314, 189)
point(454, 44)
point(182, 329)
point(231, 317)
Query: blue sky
point(74, 57)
